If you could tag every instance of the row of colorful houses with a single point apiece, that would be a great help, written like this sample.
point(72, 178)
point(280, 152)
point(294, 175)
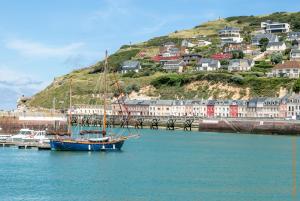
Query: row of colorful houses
point(263, 107)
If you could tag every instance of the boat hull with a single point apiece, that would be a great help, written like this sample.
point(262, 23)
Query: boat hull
point(59, 145)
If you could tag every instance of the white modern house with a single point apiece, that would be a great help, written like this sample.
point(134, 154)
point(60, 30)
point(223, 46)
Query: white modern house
point(230, 35)
point(275, 27)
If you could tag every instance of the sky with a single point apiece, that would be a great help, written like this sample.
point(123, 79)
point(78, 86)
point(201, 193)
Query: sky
point(41, 40)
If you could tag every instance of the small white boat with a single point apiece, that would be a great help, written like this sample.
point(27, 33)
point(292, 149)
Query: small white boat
point(38, 136)
point(23, 133)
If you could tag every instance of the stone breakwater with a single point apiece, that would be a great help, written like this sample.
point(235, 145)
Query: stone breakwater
point(255, 126)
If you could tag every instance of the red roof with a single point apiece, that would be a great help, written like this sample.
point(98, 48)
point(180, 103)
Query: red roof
point(288, 64)
point(220, 56)
point(159, 58)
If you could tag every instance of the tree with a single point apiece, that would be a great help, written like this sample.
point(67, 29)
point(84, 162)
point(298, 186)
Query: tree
point(263, 43)
point(237, 54)
point(276, 57)
point(296, 87)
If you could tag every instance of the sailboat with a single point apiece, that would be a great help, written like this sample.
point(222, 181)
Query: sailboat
point(108, 141)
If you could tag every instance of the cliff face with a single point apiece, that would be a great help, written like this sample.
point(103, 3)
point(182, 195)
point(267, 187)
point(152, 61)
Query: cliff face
point(152, 82)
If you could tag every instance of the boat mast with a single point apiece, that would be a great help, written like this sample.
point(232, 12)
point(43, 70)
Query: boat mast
point(105, 93)
point(70, 112)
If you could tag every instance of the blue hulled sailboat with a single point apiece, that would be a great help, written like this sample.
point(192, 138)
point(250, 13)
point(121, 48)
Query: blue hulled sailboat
point(108, 142)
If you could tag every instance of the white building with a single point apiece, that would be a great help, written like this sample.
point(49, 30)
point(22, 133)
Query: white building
point(289, 69)
point(90, 110)
point(178, 108)
point(293, 106)
point(130, 65)
point(206, 64)
point(230, 35)
point(275, 27)
point(276, 47)
point(221, 108)
point(295, 55)
point(240, 65)
point(160, 108)
point(200, 108)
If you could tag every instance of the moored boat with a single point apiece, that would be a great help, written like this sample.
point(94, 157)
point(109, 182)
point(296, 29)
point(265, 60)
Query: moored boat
point(108, 141)
point(24, 133)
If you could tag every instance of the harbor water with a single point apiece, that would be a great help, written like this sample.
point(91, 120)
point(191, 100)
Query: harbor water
point(160, 165)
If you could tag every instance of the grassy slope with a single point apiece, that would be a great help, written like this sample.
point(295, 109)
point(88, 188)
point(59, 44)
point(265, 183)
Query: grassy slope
point(85, 81)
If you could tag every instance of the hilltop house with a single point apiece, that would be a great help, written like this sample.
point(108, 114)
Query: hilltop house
point(169, 45)
point(275, 27)
point(171, 52)
point(208, 65)
point(240, 65)
point(271, 37)
point(288, 69)
point(174, 66)
point(230, 35)
point(187, 43)
point(203, 43)
point(293, 36)
point(130, 65)
point(189, 58)
point(276, 47)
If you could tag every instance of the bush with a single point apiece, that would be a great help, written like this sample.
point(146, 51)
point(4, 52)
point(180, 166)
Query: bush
point(129, 74)
point(237, 54)
point(296, 86)
point(276, 57)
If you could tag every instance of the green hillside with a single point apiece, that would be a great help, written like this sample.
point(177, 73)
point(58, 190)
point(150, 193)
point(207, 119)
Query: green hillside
point(151, 81)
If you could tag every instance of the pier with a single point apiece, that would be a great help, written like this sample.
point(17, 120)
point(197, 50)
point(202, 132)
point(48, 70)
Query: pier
point(187, 123)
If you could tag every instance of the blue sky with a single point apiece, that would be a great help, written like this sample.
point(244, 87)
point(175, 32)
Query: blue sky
point(40, 40)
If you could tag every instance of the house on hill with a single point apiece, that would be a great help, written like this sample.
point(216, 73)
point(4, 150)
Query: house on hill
point(293, 36)
point(295, 55)
point(240, 65)
point(130, 65)
point(189, 58)
point(187, 43)
point(276, 47)
point(208, 65)
point(174, 66)
point(275, 27)
point(288, 69)
point(271, 37)
point(230, 35)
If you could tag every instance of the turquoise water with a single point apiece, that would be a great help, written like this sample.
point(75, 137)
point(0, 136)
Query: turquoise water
point(161, 165)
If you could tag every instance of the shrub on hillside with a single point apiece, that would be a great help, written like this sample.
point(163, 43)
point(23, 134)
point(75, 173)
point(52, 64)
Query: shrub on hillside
point(296, 86)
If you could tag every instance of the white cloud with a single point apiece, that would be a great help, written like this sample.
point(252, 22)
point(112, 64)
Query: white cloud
point(15, 79)
point(35, 49)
